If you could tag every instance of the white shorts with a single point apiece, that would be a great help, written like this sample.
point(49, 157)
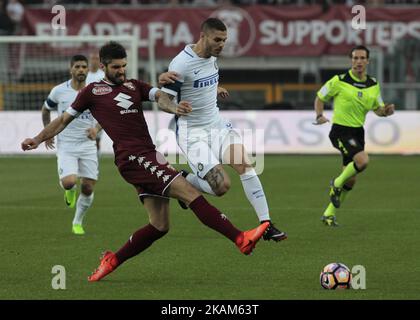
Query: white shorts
point(82, 164)
point(204, 147)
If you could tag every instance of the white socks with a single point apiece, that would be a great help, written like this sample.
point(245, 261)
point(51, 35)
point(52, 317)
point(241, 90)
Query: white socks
point(255, 194)
point(82, 205)
point(252, 187)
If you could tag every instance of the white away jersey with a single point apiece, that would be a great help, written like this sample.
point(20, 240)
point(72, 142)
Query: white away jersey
point(95, 76)
point(198, 80)
point(60, 98)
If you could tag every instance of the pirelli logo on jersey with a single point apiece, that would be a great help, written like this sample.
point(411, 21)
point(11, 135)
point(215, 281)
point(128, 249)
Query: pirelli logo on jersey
point(207, 81)
point(101, 89)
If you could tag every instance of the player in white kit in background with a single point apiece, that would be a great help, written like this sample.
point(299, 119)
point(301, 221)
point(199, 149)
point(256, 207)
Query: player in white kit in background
point(95, 74)
point(207, 140)
point(76, 146)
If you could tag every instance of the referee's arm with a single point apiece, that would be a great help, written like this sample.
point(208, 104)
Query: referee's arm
point(386, 110)
point(319, 110)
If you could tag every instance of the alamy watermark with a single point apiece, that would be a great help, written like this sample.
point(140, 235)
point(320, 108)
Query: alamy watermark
point(203, 148)
point(58, 22)
point(58, 282)
point(358, 281)
point(359, 20)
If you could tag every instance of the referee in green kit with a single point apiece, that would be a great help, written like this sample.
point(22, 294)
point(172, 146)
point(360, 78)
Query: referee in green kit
point(354, 93)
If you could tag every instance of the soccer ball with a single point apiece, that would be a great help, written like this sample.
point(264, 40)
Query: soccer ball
point(335, 276)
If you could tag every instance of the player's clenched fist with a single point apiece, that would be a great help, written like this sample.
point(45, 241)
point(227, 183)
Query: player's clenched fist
point(183, 108)
point(29, 144)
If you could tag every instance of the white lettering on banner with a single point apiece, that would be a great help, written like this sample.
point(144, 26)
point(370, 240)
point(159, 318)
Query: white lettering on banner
point(272, 131)
point(335, 32)
point(164, 31)
point(271, 32)
point(182, 34)
point(302, 30)
point(171, 36)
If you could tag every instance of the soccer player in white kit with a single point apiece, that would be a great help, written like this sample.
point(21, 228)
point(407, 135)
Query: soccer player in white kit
point(76, 146)
point(95, 74)
point(208, 140)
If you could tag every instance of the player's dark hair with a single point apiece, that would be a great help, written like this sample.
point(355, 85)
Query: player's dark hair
point(359, 48)
point(78, 57)
point(213, 24)
point(111, 50)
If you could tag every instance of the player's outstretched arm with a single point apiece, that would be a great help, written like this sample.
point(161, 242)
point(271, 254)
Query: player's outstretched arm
point(166, 103)
point(386, 110)
point(50, 131)
point(46, 119)
point(319, 109)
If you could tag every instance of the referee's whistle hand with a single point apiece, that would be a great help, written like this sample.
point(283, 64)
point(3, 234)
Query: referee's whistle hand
point(320, 120)
point(389, 109)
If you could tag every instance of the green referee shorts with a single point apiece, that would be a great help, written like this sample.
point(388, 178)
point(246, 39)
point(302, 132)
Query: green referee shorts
point(348, 140)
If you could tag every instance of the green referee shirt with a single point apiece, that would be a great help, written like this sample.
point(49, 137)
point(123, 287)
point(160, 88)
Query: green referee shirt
point(353, 98)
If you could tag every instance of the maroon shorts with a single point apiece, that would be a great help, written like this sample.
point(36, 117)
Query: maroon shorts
point(150, 173)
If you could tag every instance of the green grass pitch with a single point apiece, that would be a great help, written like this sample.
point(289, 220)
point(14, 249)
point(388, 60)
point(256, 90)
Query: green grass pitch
point(379, 229)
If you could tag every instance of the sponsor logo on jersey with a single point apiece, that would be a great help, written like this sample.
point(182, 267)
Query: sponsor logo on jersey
point(360, 85)
point(129, 111)
point(101, 89)
point(129, 85)
point(207, 81)
point(123, 100)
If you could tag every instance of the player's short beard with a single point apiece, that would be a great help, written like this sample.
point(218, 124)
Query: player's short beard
point(81, 77)
point(115, 80)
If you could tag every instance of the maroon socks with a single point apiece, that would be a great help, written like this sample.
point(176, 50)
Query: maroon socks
point(138, 242)
point(213, 218)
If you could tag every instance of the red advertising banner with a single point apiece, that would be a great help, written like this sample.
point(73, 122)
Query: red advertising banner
point(252, 30)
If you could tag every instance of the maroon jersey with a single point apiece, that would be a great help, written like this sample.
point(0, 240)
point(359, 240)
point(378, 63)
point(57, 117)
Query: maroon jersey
point(118, 109)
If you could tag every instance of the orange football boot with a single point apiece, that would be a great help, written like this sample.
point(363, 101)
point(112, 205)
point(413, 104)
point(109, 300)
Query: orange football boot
point(108, 264)
point(247, 240)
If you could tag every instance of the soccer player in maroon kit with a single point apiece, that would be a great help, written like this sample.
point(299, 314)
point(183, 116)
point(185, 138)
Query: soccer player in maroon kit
point(115, 102)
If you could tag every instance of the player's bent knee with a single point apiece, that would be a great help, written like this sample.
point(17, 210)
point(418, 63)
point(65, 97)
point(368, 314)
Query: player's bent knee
point(87, 189)
point(222, 189)
point(243, 168)
point(67, 185)
point(183, 190)
point(362, 165)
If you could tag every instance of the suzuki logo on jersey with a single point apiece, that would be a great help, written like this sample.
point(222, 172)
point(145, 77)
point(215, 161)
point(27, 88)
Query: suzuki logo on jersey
point(205, 82)
point(123, 100)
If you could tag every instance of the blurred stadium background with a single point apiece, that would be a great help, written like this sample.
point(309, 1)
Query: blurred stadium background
point(278, 55)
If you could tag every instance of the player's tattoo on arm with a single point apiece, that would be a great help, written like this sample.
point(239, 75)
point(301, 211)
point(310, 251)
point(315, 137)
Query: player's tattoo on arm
point(166, 103)
point(46, 116)
point(215, 178)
